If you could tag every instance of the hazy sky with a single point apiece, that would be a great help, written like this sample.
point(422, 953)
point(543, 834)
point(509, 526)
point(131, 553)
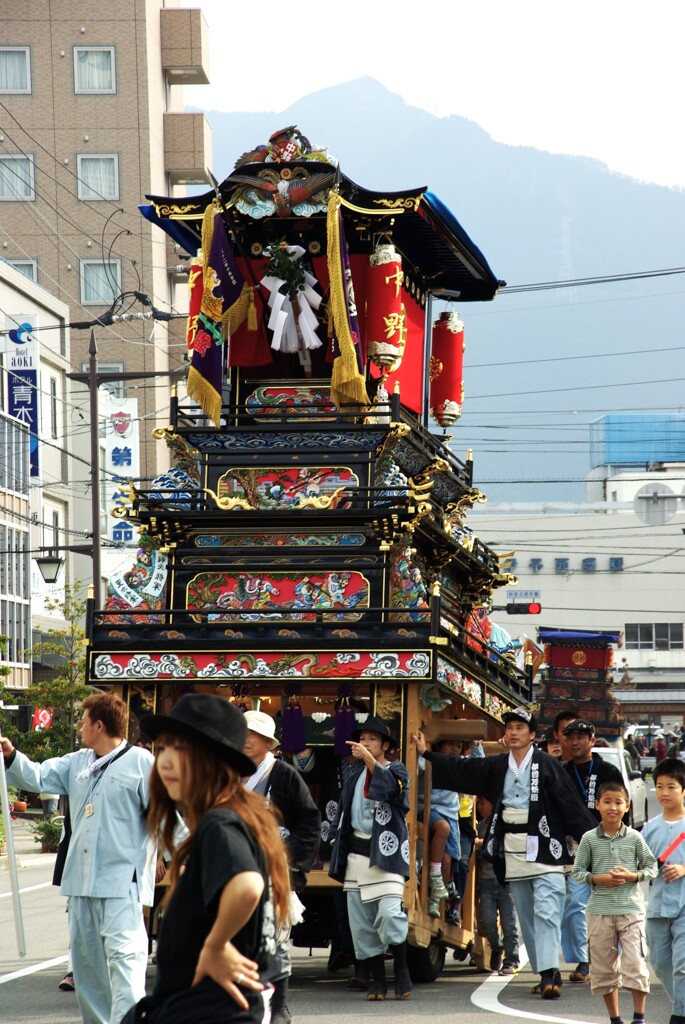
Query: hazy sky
point(598, 78)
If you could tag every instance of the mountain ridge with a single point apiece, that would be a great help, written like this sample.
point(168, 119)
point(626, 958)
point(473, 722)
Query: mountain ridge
point(536, 216)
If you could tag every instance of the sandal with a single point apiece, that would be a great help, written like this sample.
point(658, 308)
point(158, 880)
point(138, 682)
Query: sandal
point(550, 984)
point(581, 973)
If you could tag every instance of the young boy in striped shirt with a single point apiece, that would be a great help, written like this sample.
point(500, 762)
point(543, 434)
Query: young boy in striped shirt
point(613, 859)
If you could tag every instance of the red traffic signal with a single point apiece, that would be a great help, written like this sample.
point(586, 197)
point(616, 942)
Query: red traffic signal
point(527, 608)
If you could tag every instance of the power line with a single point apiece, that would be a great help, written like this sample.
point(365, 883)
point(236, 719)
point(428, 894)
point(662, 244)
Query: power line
point(583, 281)
point(567, 359)
point(503, 310)
point(580, 387)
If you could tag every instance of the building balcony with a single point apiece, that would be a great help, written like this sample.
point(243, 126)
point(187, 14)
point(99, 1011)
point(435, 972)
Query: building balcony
point(185, 50)
point(187, 148)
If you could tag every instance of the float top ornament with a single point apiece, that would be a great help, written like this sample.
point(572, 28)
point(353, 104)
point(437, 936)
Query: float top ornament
point(285, 145)
point(289, 177)
point(370, 261)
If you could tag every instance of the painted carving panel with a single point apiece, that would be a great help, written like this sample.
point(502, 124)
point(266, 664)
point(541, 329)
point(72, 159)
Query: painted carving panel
point(301, 401)
point(269, 665)
point(450, 676)
point(140, 589)
point(407, 588)
point(251, 597)
point(291, 488)
point(279, 540)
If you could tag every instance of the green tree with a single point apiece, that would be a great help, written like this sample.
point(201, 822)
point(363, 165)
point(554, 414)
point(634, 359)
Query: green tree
point(64, 691)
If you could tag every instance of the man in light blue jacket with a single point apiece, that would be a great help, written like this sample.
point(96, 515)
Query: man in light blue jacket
point(109, 871)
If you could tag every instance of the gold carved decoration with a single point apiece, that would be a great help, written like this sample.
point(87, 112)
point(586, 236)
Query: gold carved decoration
point(388, 700)
point(173, 439)
point(174, 210)
point(402, 203)
point(454, 513)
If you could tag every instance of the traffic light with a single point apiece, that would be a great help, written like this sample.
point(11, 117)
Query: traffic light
point(527, 608)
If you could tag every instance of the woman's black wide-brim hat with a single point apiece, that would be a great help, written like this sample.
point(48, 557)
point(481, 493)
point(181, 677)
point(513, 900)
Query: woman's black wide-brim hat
point(211, 721)
point(378, 725)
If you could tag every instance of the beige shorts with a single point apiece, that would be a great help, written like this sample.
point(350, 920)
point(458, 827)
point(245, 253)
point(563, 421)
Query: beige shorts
point(608, 969)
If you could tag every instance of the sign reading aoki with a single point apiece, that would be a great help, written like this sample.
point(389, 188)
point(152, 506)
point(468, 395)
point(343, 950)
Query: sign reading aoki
point(22, 366)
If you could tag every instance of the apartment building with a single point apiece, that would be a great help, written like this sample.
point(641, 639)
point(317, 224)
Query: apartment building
point(44, 463)
point(91, 120)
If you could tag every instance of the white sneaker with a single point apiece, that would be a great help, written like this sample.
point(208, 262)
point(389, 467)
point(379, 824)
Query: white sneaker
point(433, 907)
point(438, 887)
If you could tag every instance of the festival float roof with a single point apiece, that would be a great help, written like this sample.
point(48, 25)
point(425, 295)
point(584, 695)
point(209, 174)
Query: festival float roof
point(601, 637)
point(437, 252)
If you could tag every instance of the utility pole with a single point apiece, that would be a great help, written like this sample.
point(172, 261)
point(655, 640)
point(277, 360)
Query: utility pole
point(93, 385)
point(93, 379)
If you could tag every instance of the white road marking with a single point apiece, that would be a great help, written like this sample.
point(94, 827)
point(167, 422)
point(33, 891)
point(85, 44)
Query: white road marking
point(33, 969)
point(29, 888)
point(486, 998)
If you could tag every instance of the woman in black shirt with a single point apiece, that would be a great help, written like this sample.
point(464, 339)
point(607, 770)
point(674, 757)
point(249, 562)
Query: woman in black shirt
point(228, 878)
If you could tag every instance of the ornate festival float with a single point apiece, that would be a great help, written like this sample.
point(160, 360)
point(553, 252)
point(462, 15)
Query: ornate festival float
point(308, 551)
point(579, 676)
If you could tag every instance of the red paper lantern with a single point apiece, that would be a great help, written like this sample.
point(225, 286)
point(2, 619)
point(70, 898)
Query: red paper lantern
point(447, 369)
point(385, 313)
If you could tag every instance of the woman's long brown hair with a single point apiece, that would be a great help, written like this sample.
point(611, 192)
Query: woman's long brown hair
point(210, 782)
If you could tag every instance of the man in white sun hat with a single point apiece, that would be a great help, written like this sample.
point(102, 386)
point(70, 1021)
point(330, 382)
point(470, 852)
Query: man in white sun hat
point(281, 785)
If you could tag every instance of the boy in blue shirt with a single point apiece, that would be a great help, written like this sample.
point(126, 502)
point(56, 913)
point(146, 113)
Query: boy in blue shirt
point(666, 908)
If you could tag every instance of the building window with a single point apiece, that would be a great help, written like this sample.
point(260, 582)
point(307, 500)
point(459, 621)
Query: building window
point(53, 408)
point(100, 281)
point(51, 526)
point(115, 387)
point(98, 176)
point(29, 268)
point(16, 177)
point(668, 636)
point(659, 636)
point(15, 69)
point(94, 69)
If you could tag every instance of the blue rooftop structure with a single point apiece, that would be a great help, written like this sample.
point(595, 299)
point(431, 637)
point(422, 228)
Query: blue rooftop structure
point(636, 439)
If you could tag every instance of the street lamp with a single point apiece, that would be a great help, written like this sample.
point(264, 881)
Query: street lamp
point(50, 561)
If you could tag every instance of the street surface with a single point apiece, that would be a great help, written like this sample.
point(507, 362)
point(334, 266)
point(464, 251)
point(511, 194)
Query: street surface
point(29, 992)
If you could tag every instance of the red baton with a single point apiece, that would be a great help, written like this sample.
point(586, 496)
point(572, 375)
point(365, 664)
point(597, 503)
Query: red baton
point(663, 857)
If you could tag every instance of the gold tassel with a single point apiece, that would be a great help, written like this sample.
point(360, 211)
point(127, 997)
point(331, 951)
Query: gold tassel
point(202, 392)
point(347, 383)
point(244, 306)
point(252, 313)
point(235, 314)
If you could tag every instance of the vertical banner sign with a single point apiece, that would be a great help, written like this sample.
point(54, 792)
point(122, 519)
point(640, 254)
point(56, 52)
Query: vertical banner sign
point(122, 460)
point(23, 378)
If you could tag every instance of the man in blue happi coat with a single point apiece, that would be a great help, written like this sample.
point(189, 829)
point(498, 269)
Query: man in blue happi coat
point(109, 870)
point(370, 855)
